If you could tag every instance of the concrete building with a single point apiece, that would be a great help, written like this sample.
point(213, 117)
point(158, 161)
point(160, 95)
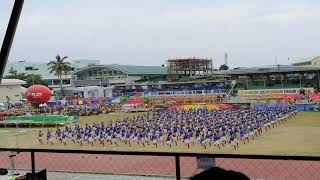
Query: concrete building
point(11, 90)
point(188, 67)
point(310, 61)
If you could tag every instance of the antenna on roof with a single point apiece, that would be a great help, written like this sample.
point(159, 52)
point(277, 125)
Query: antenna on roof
point(276, 60)
point(226, 58)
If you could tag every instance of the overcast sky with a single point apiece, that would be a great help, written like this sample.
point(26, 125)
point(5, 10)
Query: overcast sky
point(147, 32)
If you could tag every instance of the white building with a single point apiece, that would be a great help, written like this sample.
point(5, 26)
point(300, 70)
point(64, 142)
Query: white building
point(11, 89)
point(87, 92)
point(41, 68)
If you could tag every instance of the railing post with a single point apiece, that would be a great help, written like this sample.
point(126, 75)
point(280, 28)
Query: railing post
point(33, 166)
point(178, 175)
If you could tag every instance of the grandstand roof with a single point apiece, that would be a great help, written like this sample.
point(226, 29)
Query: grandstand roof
point(306, 59)
point(272, 69)
point(6, 82)
point(130, 69)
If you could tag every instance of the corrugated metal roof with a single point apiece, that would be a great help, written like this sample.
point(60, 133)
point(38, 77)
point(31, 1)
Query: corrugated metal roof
point(140, 69)
point(273, 69)
point(6, 82)
point(42, 68)
point(306, 59)
point(130, 69)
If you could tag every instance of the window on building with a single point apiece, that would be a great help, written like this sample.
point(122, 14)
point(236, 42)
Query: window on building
point(95, 72)
point(48, 82)
point(66, 81)
point(90, 73)
point(100, 71)
point(56, 82)
point(28, 68)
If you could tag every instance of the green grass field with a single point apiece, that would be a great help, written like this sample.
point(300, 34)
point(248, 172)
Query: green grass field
point(297, 137)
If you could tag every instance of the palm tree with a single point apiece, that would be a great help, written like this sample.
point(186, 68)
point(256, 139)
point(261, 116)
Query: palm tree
point(59, 67)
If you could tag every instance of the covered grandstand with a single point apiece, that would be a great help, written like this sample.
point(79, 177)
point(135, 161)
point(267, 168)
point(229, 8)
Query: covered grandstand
point(174, 88)
point(275, 77)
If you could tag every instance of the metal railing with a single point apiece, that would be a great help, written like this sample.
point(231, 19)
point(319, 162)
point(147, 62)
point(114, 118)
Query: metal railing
point(160, 164)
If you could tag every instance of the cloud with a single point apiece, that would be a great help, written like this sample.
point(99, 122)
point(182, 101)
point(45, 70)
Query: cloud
point(286, 17)
point(148, 32)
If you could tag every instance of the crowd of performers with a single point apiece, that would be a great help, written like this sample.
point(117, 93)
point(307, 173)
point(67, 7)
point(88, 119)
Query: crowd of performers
point(85, 110)
point(216, 128)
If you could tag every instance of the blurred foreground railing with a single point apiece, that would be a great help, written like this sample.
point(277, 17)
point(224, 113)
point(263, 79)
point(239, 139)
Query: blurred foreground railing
point(158, 164)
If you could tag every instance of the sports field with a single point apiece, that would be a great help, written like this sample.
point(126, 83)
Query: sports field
point(298, 136)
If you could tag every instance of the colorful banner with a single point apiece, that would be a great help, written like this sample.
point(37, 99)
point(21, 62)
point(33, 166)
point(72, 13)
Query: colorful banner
point(201, 106)
point(273, 92)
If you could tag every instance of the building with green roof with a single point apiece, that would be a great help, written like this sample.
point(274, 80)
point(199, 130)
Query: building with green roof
point(115, 74)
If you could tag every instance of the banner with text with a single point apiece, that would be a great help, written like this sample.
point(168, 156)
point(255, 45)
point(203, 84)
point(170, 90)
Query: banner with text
point(273, 92)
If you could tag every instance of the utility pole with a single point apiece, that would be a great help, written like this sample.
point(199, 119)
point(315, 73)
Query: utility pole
point(8, 38)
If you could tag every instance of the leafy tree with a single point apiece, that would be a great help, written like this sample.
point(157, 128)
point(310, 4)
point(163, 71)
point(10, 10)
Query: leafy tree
point(59, 67)
point(211, 77)
point(223, 67)
point(185, 79)
point(12, 72)
point(30, 79)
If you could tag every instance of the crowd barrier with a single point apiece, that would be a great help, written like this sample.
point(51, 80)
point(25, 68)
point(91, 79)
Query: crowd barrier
point(304, 107)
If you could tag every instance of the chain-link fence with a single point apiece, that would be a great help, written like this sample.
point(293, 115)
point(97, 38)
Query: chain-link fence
point(78, 164)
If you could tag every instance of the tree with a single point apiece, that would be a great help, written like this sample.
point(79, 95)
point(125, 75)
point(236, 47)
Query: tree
point(211, 77)
point(223, 67)
point(30, 79)
point(59, 67)
point(12, 72)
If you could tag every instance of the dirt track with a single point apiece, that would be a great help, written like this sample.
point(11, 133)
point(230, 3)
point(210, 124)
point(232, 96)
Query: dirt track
point(163, 166)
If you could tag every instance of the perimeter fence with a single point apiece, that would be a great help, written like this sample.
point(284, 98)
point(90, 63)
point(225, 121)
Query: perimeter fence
point(154, 165)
